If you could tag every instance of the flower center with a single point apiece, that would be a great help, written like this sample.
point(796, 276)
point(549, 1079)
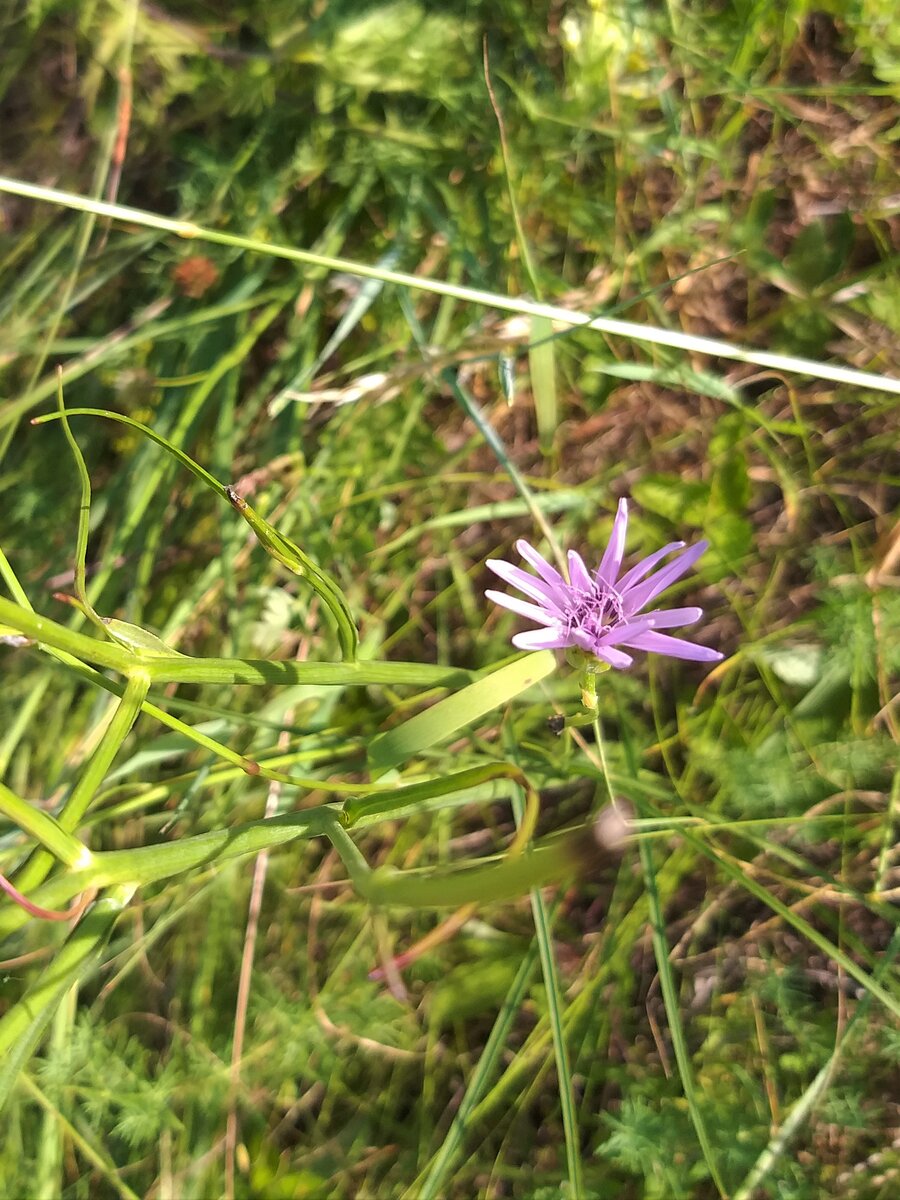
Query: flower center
point(595, 611)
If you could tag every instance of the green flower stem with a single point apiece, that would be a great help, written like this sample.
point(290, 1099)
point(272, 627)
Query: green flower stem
point(556, 859)
point(44, 829)
point(671, 1003)
point(22, 1025)
point(183, 669)
point(150, 864)
point(690, 343)
point(608, 822)
point(79, 801)
point(328, 674)
point(668, 985)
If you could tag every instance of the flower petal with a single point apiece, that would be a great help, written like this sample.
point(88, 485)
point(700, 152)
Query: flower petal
point(540, 564)
point(661, 643)
point(612, 555)
point(637, 572)
point(666, 618)
point(615, 658)
point(532, 611)
point(648, 590)
point(583, 640)
point(541, 639)
point(578, 574)
point(544, 593)
point(624, 632)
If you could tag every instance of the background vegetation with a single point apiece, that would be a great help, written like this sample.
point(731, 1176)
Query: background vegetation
point(725, 169)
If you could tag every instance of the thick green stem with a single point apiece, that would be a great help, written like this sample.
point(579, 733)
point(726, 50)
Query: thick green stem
point(328, 674)
point(149, 864)
point(44, 829)
point(38, 866)
point(555, 860)
point(184, 669)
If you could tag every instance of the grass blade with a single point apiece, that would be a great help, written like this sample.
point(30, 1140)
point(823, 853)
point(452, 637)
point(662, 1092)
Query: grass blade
point(433, 1184)
point(691, 343)
point(673, 1013)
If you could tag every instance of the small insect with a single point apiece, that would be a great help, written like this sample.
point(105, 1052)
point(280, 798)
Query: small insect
point(234, 498)
point(506, 366)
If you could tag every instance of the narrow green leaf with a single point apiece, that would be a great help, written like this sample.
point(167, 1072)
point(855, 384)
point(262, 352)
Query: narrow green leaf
point(442, 720)
point(542, 364)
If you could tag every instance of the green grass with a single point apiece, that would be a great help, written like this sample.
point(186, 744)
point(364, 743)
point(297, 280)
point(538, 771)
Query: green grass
point(713, 1012)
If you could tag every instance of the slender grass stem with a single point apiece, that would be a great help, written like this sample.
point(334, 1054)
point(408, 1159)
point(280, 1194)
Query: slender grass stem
point(690, 343)
point(667, 982)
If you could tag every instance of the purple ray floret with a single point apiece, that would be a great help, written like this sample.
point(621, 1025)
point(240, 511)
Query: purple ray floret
point(601, 614)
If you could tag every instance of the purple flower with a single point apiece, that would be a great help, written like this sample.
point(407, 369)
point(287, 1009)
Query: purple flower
point(601, 613)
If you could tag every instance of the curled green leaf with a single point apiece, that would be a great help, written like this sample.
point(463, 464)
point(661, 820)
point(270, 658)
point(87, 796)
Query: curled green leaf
point(289, 554)
point(139, 641)
point(281, 548)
